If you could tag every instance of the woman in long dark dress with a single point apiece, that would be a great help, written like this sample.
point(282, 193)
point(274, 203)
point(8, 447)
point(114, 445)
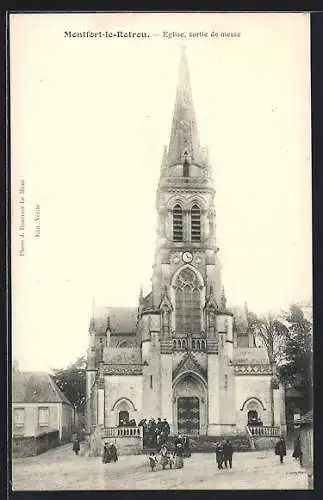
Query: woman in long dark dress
point(297, 453)
point(76, 446)
point(106, 457)
point(113, 453)
point(178, 455)
point(186, 447)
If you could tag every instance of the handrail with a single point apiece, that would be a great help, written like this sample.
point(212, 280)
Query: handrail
point(112, 432)
point(264, 430)
point(250, 438)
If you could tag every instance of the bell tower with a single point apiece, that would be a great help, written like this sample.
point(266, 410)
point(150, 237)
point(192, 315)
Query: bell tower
point(186, 234)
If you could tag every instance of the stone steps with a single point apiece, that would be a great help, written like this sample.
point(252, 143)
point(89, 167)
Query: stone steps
point(206, 444)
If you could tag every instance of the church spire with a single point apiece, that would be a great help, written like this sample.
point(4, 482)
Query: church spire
point(184, 141)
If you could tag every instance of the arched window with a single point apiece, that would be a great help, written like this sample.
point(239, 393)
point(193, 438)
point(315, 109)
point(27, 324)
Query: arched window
point(198, 345)
point(193, 344)
point(195, 223)
point(177, 223)
point(174, 344)
point(187, 302)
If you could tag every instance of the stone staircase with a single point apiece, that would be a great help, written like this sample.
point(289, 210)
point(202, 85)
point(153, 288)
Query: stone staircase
point(206, 444)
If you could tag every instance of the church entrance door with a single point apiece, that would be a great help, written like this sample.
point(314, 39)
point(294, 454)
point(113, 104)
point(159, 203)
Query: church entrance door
point(188, 415)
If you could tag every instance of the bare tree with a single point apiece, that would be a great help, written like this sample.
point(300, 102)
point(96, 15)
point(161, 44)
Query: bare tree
point(272, 331)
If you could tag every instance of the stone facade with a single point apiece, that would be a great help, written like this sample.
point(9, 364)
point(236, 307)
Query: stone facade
point(182, 354)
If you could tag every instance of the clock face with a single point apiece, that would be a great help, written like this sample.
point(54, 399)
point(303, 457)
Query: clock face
point(187, 257)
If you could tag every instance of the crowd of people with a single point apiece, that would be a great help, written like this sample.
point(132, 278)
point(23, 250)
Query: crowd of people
point(171, 453)
point(173, 458)
point(155, 434)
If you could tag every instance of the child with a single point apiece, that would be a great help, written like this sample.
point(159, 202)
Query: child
point(153, 461)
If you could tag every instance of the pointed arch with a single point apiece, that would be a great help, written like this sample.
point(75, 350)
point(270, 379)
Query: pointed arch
point(124, 402)
point(177, 222)
point(192, 268)
point(190, 373)
point(252, 399)
point(188, 304)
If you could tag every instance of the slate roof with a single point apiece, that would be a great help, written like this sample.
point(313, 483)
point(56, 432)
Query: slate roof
point(123, 320)
point(36, 387)
point(147, 301)
point(250, 355)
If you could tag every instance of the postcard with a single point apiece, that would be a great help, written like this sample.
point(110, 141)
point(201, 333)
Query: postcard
point(161, 251)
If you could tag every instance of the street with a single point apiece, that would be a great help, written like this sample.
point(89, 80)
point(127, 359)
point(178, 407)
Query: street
point(60, 469)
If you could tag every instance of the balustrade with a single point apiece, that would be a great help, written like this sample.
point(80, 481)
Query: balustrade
point(263, 430)
point(113, 432)
point(192, 344)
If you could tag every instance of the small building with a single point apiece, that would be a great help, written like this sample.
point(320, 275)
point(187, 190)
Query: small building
point(42, 417)
point(306, 434)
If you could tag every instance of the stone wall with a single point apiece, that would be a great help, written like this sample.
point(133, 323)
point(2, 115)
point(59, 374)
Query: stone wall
point(119, 389)
point(264, 443)
point(126, 445)
point(29, 446)
point(252, 386)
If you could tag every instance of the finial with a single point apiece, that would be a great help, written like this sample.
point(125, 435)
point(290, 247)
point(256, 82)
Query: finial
point(223, 299)
point(108, 325)
point(92, 325)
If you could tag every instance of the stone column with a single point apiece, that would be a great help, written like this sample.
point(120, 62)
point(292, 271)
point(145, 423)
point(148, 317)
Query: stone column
point(90, 403)
point(166, 389)
point(213, 394)
point(101, 406)
point(283, 426)
point(277, 407)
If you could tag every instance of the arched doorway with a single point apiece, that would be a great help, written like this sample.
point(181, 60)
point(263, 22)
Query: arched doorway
point(254, 411)
point(189, 405)
point(124, 412)
point(123, 418)
point(252, 417)
point(188, 415)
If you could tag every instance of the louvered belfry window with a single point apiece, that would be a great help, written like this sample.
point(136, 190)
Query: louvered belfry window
point(195, 223)
point(187, 303)
point(177, 223)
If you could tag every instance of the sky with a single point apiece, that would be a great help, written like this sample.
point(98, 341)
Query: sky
point(89, 120)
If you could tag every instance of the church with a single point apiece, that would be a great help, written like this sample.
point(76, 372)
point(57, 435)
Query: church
point(181, 353)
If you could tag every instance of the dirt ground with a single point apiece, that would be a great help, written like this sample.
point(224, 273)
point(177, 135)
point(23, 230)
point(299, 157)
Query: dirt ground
point(60, 469)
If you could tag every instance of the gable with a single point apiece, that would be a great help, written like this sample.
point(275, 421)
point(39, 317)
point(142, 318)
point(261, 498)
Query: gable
point(187, 364)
